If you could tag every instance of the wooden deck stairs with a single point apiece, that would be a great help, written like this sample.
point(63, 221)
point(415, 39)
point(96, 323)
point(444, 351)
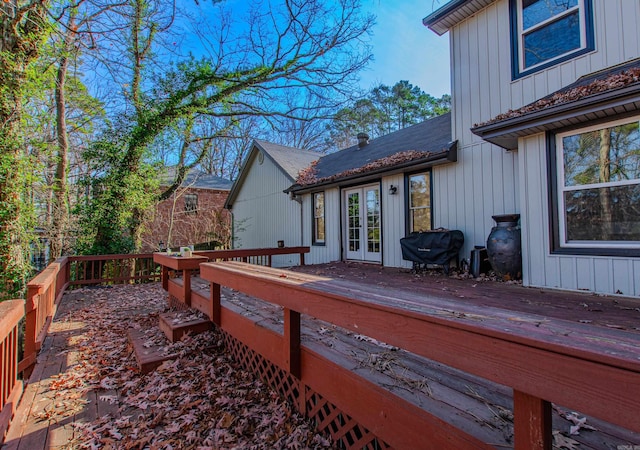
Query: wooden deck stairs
point(152, 346)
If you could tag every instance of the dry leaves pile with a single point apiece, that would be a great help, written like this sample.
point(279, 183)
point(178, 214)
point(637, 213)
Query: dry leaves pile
point(199, 400)
point(614, 81)
point(309, 176)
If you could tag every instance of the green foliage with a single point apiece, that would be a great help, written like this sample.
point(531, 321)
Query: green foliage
point(385, 109)
point(119, 196)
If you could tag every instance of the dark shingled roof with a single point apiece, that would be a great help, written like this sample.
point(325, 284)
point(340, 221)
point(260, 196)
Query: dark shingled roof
point(615, 90)
point(420, 143)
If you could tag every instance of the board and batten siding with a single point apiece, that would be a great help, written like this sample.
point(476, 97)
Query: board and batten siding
point(330, 251)
point(393, 224)
point(488, 180)
point(393, 221)
point(263, 214)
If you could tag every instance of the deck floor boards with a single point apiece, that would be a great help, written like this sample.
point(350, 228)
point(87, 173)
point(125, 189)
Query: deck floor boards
point(476, 405)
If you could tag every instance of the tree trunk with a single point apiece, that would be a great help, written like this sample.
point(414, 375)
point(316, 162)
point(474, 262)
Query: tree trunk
point(22, 31)
point(60, 218)
point(605, 177)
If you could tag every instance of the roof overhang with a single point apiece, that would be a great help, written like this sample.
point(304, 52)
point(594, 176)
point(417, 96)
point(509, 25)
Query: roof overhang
point(448, 155)
point(591, 109)
point(453, 12)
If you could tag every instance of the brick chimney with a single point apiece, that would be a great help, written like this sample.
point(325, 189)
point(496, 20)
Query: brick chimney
point(363, 139)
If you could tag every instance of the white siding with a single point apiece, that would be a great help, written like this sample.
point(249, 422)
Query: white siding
point(263, 214)
point(393, 221)
point(331, 250)
point(467, 193)
point(488, 180)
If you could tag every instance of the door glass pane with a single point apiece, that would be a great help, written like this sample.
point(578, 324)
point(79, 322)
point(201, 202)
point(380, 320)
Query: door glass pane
point(373, 221)
point(353, 221)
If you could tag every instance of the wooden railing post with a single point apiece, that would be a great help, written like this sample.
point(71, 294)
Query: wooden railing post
point(531, 422)
point(292, 342)
point(165, 277)
point(301, 258)
point(11, 311)
point(31, 330)
point(214, 314)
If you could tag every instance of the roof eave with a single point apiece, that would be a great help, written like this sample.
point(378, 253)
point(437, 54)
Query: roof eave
point(448, 155)
point(600, 107)
point(442, 19)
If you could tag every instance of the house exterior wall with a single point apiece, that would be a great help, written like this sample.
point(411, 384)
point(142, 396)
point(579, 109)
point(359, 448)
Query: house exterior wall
point(173, 226)
point(331, 250)
point(483, 181)
point(393, 224)
point(488, 180)
point(263, 214)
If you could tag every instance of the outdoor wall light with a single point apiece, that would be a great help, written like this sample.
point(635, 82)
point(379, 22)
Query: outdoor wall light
point(393, 190)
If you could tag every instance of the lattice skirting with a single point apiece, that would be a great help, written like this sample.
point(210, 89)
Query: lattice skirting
point(327, 417)
point(176, 304)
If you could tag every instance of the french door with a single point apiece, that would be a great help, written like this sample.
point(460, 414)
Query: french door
point(362, 223)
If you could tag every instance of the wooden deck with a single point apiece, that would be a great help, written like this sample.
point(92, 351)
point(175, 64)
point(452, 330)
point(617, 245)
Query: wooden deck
point(480, 408)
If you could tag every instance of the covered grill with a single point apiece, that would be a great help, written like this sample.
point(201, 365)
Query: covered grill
point(432, 247)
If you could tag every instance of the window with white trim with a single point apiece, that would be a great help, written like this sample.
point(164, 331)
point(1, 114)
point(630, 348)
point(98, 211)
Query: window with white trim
point(546, 32)
point(420, 202)
point(318, 218)
point(598, 186)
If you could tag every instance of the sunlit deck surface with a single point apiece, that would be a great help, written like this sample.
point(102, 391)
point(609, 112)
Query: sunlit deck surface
point(85, 390)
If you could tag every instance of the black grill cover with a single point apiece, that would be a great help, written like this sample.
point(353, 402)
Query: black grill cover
point(432, 247)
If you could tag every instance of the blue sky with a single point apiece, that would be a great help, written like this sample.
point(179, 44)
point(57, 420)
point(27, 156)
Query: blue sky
point(404, 49)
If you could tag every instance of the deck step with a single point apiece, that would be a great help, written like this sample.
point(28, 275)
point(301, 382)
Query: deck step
point(176, 324)
point(151, 348)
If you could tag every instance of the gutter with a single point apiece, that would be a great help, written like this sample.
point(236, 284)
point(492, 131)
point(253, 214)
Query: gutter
point(505, 133)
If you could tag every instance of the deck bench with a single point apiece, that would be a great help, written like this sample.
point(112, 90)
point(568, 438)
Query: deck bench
point(542, 360)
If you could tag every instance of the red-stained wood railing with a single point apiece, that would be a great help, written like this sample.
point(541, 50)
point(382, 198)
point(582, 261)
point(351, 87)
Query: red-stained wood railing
point(45, 290)
point(586, 372)
point(112, 269)
point(258, 256)
point(11, 312)
point(179, 285)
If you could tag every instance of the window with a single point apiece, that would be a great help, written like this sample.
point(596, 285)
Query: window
point(420, 202)
point(598, 187)
point(318, 218)
point(546, 32)
point(191, 203)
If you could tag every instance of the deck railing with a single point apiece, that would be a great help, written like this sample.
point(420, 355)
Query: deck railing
point(594, 378)
point(11, 312)
point(46, 289)
point(258, 256)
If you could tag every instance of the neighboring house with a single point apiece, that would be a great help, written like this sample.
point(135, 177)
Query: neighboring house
point(193, 215)
point(262, 212)
point(546, 110)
